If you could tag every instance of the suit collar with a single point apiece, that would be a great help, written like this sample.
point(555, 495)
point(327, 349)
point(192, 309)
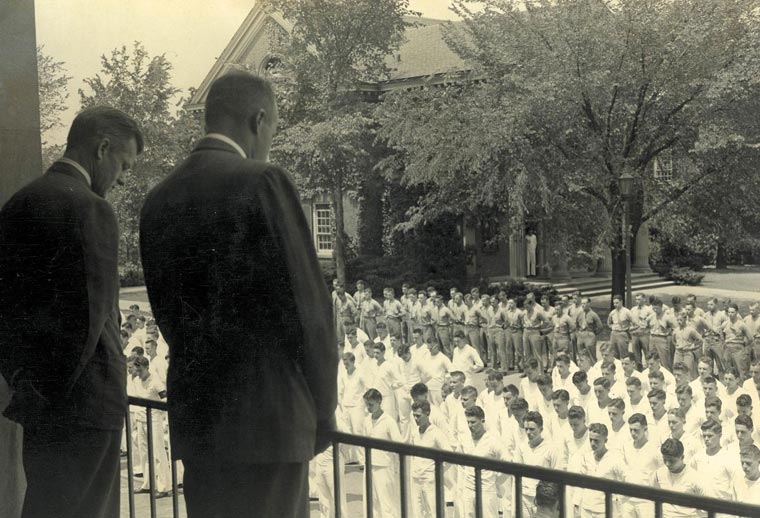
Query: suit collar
point(69, 170)
point(210, 143)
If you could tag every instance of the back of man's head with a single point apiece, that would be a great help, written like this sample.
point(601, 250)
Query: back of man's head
point(235, 97)
point(93, 124)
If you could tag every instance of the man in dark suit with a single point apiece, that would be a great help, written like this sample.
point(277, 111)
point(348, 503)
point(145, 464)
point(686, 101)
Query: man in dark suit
point(60, 348)
point(235, 287)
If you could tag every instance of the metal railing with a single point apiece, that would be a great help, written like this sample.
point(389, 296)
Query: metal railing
point(610, 488)
point(149, 405)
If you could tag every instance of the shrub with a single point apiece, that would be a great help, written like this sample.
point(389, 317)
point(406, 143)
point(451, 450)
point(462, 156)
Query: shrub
point(518, 290)
point(131, 275)
point(685, 276)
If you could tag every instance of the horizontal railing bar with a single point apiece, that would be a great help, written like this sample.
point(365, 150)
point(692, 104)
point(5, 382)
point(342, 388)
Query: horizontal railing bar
point(148, 403)
point(553, 475)
point(524, 470)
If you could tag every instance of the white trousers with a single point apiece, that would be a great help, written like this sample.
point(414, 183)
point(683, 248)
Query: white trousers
point(325, 493)
point(385, 492)
point(160, 458)
point(353, 422)
point(490, 504)
point(423, 498)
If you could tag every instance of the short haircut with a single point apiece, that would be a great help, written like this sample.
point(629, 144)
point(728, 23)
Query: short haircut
point(684, 389)
point(656, 302)
point(518, 403)
point(403, 350)
point(544, 380)
point(349, 356)
point(744, 420)
point(709, 380)
point(495, 375)
point(629, 356)
point(563, 358)
point(672, 447)
point(653, 355)
point(513, 389)
point(658, 375)
point(714, 402)
point(657, 394)
point(98, 122)
point(678, 413)
point(751, 451)
point(680, 367)
point(599, 428)
point(576, 412)
point(381, 325)
point(712, 425)
point(604, 382)
point(418, 389)
point(236, 96)
point(561, 395)
point(608, 366)
point(534, 417)
point(732, 371)
point(422, 405)
point(470, 391)
point(475, 411)
point(459, 375)
point(373, 395)
point(579, 377)
point(744, 400)
point(617, 403)
point(379, 346)
point(458, 334)
point(547, 493)
point(638, 418)
point(533, 363)
point(633, 381)
point(139, 351)
point(141, 361)
point(617, 297)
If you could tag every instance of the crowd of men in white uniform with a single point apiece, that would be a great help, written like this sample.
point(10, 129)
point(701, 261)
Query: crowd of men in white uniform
point(582, 405)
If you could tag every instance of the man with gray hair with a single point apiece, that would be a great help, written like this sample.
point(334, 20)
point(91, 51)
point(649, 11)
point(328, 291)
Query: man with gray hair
point(60, 346)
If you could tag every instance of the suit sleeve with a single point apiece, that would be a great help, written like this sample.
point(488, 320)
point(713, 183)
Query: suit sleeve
point(100, 248)
point(287, 223)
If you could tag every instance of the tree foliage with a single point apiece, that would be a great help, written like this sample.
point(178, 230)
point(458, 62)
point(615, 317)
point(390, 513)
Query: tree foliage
point(139, 84)
point(575, 94)
point(53, 86)
point(334, 46)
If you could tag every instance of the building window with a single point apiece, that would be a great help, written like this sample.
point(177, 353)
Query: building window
point(323, 228)
point(489, 235)
point(663, 166)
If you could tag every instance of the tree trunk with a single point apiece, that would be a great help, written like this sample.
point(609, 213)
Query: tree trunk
point(721, 257)
point(371, 215)
point(339, 252)
point(618, 273)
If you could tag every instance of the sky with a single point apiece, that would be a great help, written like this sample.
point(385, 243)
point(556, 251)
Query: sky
point(191, 33)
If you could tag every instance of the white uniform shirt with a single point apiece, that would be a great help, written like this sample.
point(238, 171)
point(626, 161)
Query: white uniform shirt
point(687, 481)
point(384, 427)
point(467, 360)
point(436, 368)
point(746, 490)
point(387, 378)
point(489, 446)
point(610, 466)
point(351, 388)
point(719, 472)
point(433, 437)
point(545, 454)
point(529, 391)
point(641, 463)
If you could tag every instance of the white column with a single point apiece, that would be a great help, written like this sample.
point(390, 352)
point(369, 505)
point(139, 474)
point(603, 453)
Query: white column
point(641, 250)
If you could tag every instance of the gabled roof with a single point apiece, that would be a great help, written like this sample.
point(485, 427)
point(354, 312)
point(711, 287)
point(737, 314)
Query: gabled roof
point(423, 54)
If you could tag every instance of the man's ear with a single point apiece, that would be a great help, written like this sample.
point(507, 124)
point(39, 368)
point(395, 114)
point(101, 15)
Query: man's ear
point(103, 146)
point(256, 120)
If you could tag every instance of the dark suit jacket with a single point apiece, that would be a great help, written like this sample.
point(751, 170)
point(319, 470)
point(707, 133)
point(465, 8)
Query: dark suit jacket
point(59, 315)
point(235, 287)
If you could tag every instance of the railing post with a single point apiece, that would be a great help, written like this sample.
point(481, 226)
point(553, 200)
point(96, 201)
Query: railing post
point(478, 493)
point(562, 500)
point(518, 497)
point(710, 514)
point(368, 479)
point(175, 496)
point(130, 467)
point(440, 498)
point(337, 474)
point(608, 504)
point(151, 460)
point(403, 483)
point(658, 509)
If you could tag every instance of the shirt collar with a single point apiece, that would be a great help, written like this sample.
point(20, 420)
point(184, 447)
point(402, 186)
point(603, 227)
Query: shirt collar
point(229, 141)
point(76, 165)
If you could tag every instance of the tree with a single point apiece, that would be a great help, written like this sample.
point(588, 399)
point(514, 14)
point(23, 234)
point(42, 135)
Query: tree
point(333, 47)
point(53, 92)
point(583, 91)
point(140, 85)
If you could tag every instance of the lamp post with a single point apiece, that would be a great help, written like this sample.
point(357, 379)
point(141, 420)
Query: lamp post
point(626, 191)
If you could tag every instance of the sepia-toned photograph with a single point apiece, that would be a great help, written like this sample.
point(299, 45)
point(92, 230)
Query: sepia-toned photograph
point(379, 258)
